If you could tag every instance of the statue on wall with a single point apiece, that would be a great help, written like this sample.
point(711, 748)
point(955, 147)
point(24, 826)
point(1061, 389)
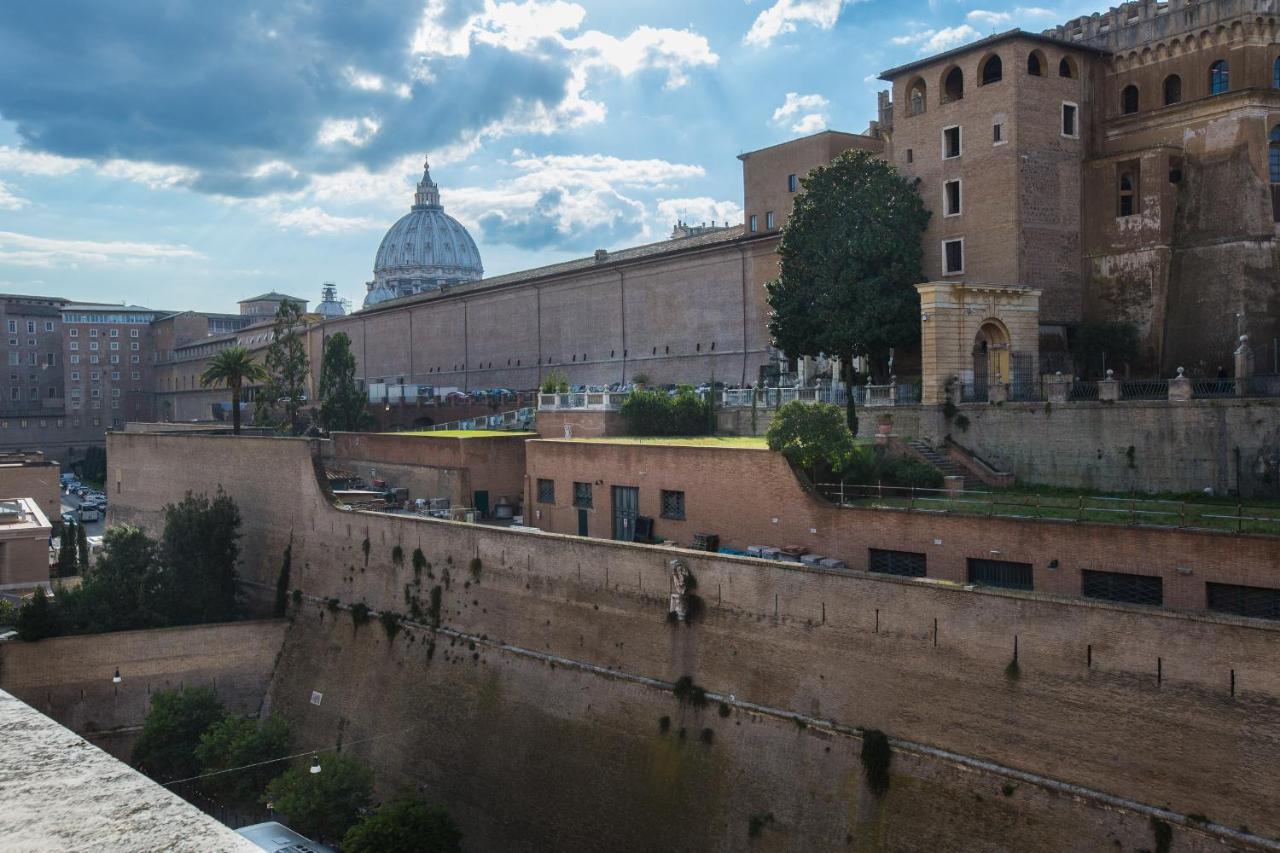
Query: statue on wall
point(679, 588)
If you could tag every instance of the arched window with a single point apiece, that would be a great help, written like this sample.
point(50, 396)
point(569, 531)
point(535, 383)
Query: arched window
point(1066, 68)
point(1035, 64)
point(953, 86)
point(992, 71)
point(1172, 90)
point(916, 98)
point(1274, 153)
point(1129, 100)
point(1218, 82)
point(1275, 74)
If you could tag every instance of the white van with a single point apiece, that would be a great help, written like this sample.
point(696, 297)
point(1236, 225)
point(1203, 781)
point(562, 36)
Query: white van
point(89, 513)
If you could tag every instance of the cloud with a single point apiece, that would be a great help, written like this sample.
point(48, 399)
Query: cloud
point(314, 221)
point(9, 201)
point(695, 211)
point(935, 41)
point(154, 175)
point(783, 16)
point(215, 90)
point(29, 250)
point(997, 19)
point(803, 113)
point(568, 202)
point(982, 16)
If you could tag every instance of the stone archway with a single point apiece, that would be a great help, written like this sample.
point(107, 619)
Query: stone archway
point(990, 357)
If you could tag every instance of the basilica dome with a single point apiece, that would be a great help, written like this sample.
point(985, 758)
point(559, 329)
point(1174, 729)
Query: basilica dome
point(427, 249)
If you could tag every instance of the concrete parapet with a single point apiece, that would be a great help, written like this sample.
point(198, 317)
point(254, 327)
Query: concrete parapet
point(1057, 388)
point(1108, 389)
point(1179, 388)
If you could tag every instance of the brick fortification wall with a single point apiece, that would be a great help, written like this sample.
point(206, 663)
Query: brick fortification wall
point(1127, 701)
point(69, 678)
point(1177, 447)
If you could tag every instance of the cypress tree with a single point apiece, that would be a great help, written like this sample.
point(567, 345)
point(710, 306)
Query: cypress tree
point(82, 548)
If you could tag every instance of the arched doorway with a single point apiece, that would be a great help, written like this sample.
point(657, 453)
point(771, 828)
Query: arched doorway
point(990, 357)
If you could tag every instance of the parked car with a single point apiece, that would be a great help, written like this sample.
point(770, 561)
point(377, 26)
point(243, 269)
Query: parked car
point(66, 479)
point(88, 512)
point(68, 518)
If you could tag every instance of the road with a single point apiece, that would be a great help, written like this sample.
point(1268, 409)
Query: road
point(91, 528)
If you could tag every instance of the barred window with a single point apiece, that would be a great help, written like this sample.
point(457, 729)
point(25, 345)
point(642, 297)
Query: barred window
point(903, 563)
point(673, 505)
point(1002, 573)
point(546, 491)
point(1122, 586)
point(1257, 601)
point(582, 495)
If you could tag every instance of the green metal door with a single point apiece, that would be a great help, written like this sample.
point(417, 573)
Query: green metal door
point(481, 501)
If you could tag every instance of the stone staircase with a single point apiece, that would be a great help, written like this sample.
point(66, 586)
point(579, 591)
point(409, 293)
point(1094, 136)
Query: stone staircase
point(944, 464)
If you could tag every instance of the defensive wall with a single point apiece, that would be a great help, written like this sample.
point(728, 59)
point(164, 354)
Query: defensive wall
point(70, 678)
point(1162, 707)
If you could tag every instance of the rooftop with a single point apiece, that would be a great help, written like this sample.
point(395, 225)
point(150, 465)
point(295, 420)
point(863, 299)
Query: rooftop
point(100, 802)
point(736, 442)
point(745, 154)
point(464, 433)
point(273, 297)
point(998, 38)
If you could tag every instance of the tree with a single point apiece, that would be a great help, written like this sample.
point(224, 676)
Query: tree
point(111, 597)
point(660, 413)
point(404, 825)
point(287, 368)
point(82, 548)
point(233, 367)
point(238, 741)
point(554, 382)
point(195, 576)
point(38, 618)
point(322, 805)
point(342, 403)
point(93, 468)
point(67, 551)
point(166, 749)
point(848, 259)
point(813, 436)
point(1102, 344)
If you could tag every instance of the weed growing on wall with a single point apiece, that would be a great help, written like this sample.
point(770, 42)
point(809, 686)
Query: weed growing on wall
point(433, 612)
point(689, 693)
point(419, 561)
point(297, 596)
point(397, 555)
point(1013, 672)
point(664, 724)
point(707, 736)
point(876, 756)
point(390, 623)
point(364, 546)
point(333, 605)
point(757, 822)
point(474, 567)
point(359, 613)
point(1163, 835)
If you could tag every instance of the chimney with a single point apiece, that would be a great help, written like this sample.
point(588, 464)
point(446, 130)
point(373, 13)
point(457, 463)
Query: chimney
point(602, 255)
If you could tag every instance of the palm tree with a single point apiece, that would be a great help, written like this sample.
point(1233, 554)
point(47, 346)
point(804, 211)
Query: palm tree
point(233, 367)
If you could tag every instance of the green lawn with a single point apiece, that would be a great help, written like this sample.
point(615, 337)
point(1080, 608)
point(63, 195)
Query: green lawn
point(464, 433)
point(748, 441)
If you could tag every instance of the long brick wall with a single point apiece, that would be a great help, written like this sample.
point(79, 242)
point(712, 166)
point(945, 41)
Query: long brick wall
point(1159, 707)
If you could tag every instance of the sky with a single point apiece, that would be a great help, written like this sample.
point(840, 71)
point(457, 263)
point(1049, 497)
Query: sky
point(183, 154)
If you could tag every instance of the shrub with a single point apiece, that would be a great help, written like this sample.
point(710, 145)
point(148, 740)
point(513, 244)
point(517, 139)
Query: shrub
point(297, 596)
point(404, 825)
point(359, 613)
point(689, 693)
point(433, 612)
point(474, 567)
point(166, 749)
point(333, 604)
point(419, 561)
point(390, 623)
point(1163, 835)
point(962, 421)
point(555, 382)
point(659, 413)
point(322, 805)
point(236, 741)
point(876, 757)
point(397, 555)
point(812, 436)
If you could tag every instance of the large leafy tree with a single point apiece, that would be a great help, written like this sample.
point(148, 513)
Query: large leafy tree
point(813, 437)
point(232, 368)
point(404, 825)
point(241, 742)
point(110, 598)
point(342, 403)
point(195, 576)
point(322, 805)
point(287, 368)
point(849, 257)
point(166, 749)
point(66, 566)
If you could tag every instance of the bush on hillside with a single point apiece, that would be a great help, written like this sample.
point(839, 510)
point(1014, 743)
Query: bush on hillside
point(660, 413)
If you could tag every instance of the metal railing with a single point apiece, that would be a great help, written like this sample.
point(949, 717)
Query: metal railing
point(517, 419)
point(1201, 388)
point(1144, 389)
point(598, 400)
point(894, 394)
point(1141, 511)
point(1083, 391)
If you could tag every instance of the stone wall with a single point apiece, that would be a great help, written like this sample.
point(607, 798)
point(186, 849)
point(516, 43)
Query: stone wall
point(1185, 447)
point(70, 678)
point(1124, 701)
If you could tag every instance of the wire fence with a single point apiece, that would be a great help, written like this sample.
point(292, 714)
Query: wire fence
point(1150, 512)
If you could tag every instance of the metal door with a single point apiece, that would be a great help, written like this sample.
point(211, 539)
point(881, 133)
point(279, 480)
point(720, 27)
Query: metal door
point(626, 506)
point(980, 375)
point(582, 522)
point(481, 502)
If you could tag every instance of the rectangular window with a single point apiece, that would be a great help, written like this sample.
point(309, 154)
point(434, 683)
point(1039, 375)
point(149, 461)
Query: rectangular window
point(1128, 182)
point(546, 491)
point(950, 142)
point(115, 376)
point(31, 327)
point(1000, 573)
point(902, 563)
point(48, 325)
point(115, 359)
point(75, 359)
point(1069, 127)
point(15, 393)
point(673, 505)
point(753, 223)
point(115, 333)
point(135, 375)
point(75, 333)
point(582, 495)
point(13, 327)
point(115, 345)
point(95, 392)
point(75, 345)
point(93, 359)
point(93, 345)
point(951, 198)
point(768, 220)
point(1256, 601)
point(95, 376)
point(997, 133)
point(93, 333)
point(133, 333)
point(35, 394)
point(75, 376)
point(115, 392)
point(50, 359)
point(911, 156)
point(1122, 586)
point(952, 256)
point(15, 357)
point(793, 183)
point(134, 346)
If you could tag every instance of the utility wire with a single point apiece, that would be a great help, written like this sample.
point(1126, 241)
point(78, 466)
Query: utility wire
point(291, 757)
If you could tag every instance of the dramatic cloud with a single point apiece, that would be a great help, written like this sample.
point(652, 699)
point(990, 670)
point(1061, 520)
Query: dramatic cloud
point(934, 41)
point(783, 16)
point(314, 221)
point(576, 202)
point(215, 90)
point(802, 113)
point(28, 250)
